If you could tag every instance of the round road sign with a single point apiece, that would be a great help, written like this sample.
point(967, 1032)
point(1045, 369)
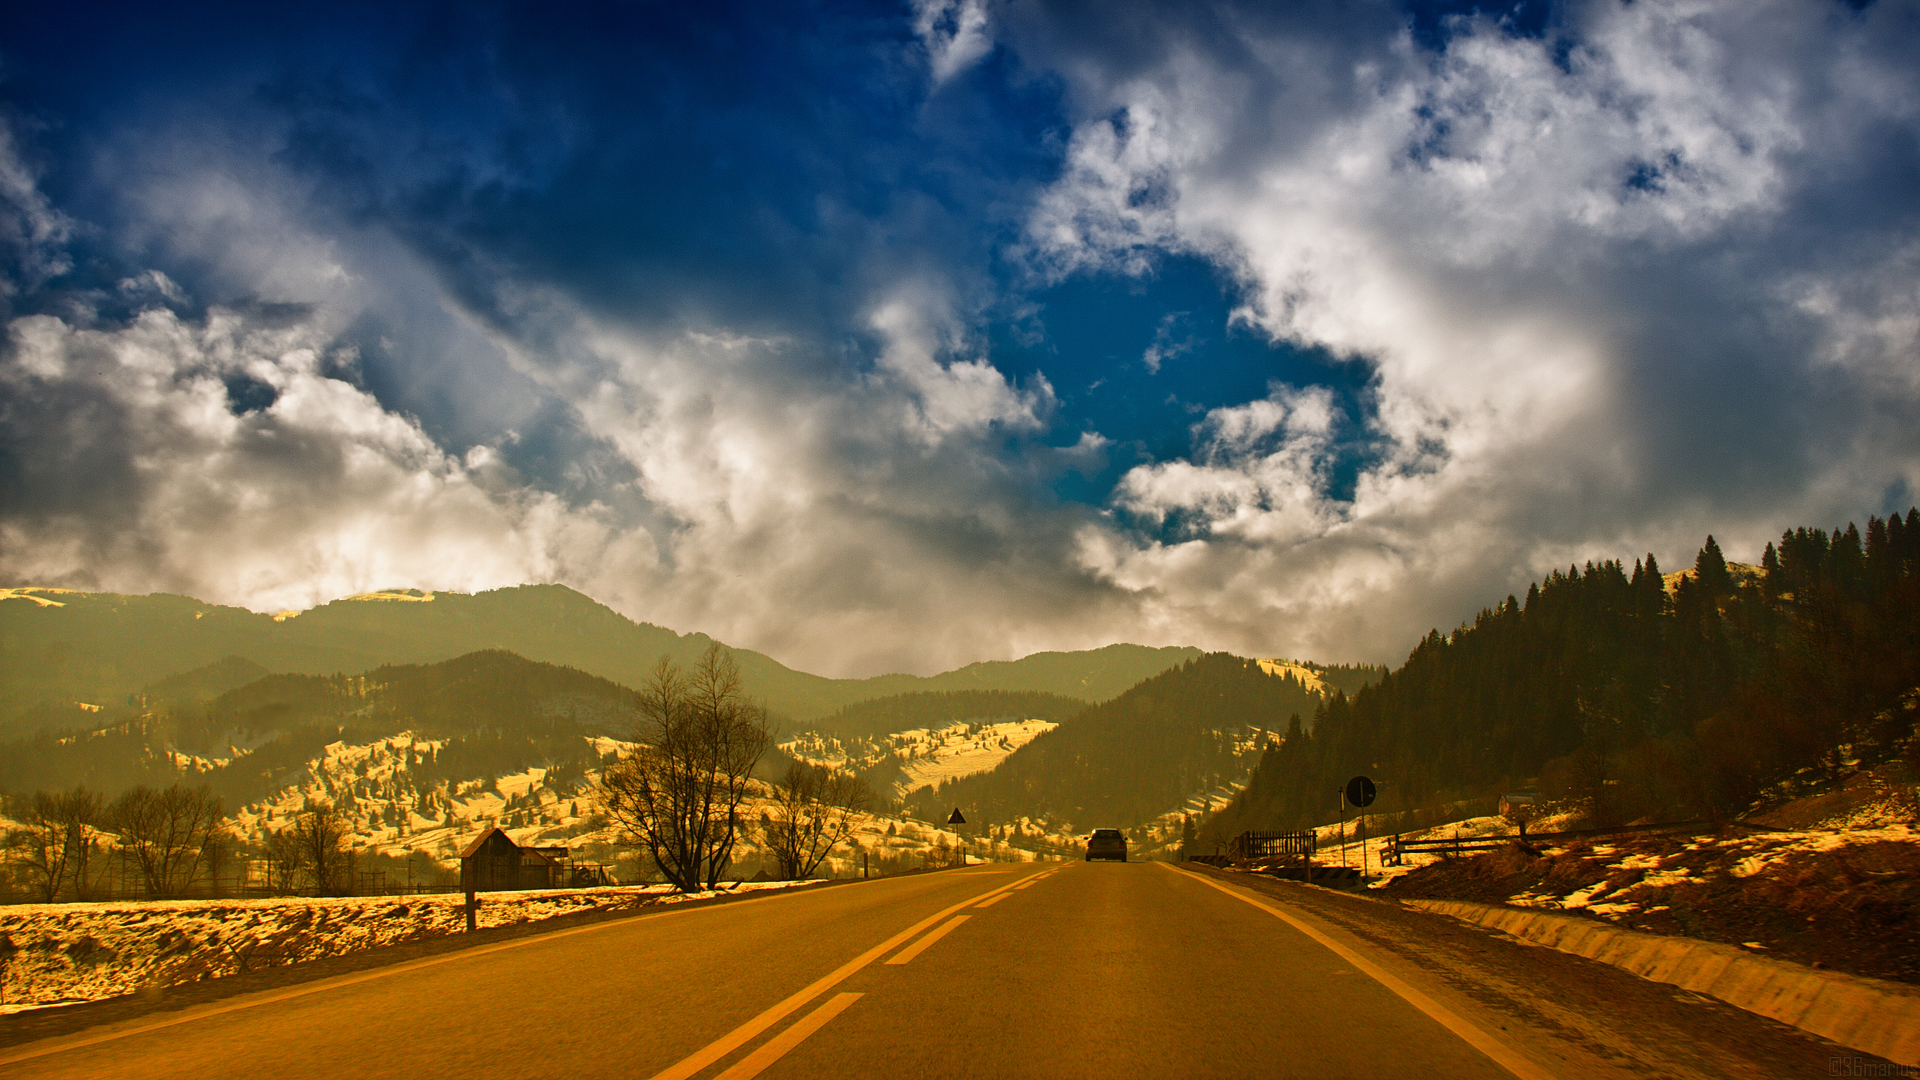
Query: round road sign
point(1360, 792)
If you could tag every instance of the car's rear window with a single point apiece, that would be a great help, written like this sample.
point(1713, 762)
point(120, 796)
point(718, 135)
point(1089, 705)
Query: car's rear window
point(1106, 834)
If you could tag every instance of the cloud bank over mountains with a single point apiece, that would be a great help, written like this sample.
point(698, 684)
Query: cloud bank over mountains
point(728, 351)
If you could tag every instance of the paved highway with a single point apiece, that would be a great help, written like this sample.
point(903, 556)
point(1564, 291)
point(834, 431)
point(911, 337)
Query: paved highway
point(1050, 970)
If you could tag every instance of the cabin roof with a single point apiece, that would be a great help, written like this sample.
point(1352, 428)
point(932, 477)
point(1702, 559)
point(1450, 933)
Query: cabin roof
point(549, 852)
point(481, 841)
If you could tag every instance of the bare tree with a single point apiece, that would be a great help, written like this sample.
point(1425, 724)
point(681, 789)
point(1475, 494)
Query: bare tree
point(814, 809)
point(57, 842)
point(82, 813)
point(165, 833)
point(677, 796)
point(320, 837)
point(286, 864)
point(217, 855)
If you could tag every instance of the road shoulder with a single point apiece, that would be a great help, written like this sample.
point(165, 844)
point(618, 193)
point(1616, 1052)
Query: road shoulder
point(1589, 1018)
point(135, 1009)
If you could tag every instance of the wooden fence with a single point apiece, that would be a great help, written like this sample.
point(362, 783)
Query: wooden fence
point(1457, 845)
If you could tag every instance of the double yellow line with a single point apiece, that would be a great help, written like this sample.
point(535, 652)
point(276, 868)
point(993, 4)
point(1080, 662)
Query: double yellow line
point(777, 1047)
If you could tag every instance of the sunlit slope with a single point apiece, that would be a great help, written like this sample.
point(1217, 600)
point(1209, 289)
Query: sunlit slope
point(932, 710)
point(486, 713)
point(417, 758)
point(67, 656)
point(1129, 760)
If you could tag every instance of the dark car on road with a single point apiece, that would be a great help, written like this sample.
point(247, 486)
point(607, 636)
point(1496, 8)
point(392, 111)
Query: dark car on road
point(1106, 844)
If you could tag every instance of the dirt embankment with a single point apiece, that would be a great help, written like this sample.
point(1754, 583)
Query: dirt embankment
point(1840, 888)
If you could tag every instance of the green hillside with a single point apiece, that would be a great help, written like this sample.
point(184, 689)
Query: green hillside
point(490, 712)
point(1137, 756)
point(70, 660)
point(1091, 675)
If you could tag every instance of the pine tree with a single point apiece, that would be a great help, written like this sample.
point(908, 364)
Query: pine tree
point(1710, 568)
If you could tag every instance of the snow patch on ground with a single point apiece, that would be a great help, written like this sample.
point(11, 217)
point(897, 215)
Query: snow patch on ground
point(923, 755)
point(69, 953)
point(1767, 849)
point(1751, 855)
point(1305, 675)
point(950, 753)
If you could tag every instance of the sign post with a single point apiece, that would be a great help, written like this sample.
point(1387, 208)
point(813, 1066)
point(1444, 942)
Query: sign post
point(1360, 791)
point(957, 818)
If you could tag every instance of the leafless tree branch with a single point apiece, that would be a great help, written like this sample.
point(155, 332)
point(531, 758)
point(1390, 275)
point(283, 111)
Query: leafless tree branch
point(814, 810)
point(678, 794)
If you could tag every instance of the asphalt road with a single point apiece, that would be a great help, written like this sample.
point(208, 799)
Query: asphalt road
point(1050, 970)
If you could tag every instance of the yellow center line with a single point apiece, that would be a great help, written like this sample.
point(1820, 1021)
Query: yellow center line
point(777, 1047)
point(1502, 1054)
point(920, 946)
point(738, 1037)
point(994, 900)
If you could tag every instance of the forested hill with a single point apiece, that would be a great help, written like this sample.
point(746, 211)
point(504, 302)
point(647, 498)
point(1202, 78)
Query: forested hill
point(487, 713)
point(1606, 684)
point(64, 655)
point(1090, 675)
point(905, 712)
point(1349, 678)
point(1135, 757)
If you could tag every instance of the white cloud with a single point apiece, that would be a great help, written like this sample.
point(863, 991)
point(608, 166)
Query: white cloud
point(846, 520)
point(149, 284)
point(33, 233)
point(319, 494)
point(956, 34)
point(1164, 346)
point(1468, 224)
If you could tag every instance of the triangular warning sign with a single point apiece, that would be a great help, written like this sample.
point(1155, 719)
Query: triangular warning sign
point(956, 818)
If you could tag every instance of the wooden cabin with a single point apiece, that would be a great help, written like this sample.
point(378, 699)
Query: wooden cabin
point(494, 863)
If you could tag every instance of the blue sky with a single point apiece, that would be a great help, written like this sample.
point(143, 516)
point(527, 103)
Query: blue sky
point(898, 336)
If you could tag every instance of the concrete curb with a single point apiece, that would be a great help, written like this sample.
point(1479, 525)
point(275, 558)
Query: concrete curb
point(1871, 1015)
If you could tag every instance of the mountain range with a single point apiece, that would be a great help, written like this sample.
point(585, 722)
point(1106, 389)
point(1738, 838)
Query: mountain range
point(72, 659)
